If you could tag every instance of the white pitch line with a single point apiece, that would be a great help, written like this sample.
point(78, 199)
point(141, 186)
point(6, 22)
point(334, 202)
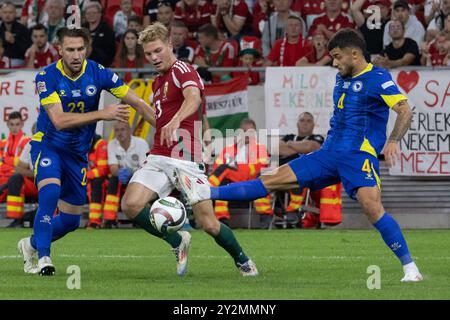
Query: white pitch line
point(291, 257)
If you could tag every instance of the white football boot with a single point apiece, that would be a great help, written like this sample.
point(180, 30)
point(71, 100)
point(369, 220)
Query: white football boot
point(248, 269)
point(412, 273)
point(29, 255)
point(194, 190)
point(181, 252)
point(46, 267)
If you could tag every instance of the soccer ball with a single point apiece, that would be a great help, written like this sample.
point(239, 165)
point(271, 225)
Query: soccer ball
point(167, 215)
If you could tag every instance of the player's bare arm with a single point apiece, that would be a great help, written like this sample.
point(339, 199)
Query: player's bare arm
point(402, 124)
point(66, 120)
point(140, 106)
point(191, 103)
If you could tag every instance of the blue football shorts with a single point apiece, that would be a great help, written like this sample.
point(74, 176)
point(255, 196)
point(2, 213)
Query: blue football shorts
point(68, 167)
point(322, 168)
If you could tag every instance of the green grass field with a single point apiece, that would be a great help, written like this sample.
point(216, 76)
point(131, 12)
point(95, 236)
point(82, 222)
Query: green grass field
point(293, 264)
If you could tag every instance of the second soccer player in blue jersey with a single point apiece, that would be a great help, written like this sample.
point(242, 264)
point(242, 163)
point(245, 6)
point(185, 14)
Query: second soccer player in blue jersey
point(363, 96)
point(69, 93)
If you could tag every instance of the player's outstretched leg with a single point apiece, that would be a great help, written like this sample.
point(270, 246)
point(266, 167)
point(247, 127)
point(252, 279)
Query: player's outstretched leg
point(390, 231)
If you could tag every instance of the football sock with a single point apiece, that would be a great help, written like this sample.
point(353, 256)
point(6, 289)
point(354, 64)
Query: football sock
point(142, 219)
point(240, 191)
point(228, 241)
point(48, 200)
point(64, 223)
point(393, 237)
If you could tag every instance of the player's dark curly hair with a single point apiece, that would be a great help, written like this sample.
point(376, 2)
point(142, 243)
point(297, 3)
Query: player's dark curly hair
point(347, 38)
point(73, 33)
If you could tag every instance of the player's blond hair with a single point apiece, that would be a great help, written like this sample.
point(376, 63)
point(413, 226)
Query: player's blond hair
point(155, 31)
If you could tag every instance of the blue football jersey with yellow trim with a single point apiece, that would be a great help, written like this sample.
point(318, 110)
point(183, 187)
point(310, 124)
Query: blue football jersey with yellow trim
point(77, 95)
point(361, 111)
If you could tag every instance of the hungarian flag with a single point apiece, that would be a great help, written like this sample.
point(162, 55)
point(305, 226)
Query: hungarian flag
point(227, 103)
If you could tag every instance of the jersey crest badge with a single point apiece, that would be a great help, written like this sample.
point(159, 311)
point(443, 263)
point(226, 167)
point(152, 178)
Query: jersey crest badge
point(357, 86)
point(91, 90)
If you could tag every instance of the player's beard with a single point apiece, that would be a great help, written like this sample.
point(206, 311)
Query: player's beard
point(73, 69)
point(347, 71)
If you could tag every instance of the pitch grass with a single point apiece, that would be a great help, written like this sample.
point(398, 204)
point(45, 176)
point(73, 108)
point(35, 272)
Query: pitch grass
point(293, 264)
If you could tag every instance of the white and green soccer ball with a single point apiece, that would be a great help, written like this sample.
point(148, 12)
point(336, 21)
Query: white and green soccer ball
point(167, 215)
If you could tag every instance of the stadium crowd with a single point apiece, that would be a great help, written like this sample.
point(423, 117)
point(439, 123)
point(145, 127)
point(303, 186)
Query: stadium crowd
point(218, 33)
point(225, 33)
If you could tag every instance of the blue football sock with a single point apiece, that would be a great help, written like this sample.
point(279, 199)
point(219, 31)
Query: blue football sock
point(43, 230)
point(64, 223)
point(240, 191)
point(393, 237)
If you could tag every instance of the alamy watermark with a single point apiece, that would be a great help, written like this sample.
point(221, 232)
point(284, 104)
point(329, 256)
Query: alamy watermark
point(74, 279)
point(374, 280)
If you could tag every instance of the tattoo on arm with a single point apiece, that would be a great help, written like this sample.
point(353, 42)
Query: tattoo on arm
point(403, 121)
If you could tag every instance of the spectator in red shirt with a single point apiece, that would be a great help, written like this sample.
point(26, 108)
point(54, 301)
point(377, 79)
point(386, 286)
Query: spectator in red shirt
point(319, 55)
point(231, 17)
point(214, 52)
point(437, 53)
point(32, 12)
point(261, 10)
point(332, 20)
point(249, 56)
point(41, 53)
point(275, 27)
point(130, 54)
point(310, 9)
point(4, 61)
point(287, 51)
point(194, 14)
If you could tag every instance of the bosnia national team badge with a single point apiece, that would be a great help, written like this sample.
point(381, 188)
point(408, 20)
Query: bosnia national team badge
point(357, 86)
point(91, 90)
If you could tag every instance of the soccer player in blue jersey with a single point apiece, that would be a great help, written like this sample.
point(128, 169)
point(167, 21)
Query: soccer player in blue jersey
point(362, 96)
point(69, 92)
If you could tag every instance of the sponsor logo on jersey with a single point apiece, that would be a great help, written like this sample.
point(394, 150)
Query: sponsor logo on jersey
point(134, 157)
point(42, 73)
point(62, 93)
point(346, 85)
point(115, 77)
point(76, 93)
point(91, 90)
point(118, 157)
point(357, 86)
point(41, 87)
